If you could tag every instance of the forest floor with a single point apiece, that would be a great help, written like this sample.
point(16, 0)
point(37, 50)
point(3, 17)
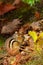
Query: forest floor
point(27, 16)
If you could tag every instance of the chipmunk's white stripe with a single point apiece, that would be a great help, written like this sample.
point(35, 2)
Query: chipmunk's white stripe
point(11, 43)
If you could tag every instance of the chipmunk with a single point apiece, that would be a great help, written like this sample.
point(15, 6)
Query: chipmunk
point(18, 43)
point(13, 44)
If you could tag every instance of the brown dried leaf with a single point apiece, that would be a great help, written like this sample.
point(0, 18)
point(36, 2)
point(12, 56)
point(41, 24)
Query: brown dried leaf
point(16, 2)
point(24, 28)
point(37, 15)
point(4, 8)
point(11, 27)
point(37, 25)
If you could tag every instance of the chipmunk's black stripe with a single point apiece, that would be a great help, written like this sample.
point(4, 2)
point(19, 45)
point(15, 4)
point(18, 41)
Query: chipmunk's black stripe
point(10, 42)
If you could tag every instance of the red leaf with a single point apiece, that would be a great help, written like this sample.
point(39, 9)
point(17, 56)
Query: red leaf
point(37, 15)
point(4, 8)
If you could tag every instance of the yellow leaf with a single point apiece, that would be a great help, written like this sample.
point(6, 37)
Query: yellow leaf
point(33, 34)
point(40, 42)
point(41, 35)
point(39, 48)
point(40, 39)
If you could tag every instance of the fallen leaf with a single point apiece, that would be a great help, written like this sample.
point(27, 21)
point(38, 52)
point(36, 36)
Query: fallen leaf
point(37, 15)
point(33, 34)
point(24, 28)
point(4, 8)
point(16, 2)
point(41, 35)
point(11, 27)
point(37, 25)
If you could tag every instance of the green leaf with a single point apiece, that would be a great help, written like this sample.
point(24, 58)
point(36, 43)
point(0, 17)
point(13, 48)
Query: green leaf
point(31, 2)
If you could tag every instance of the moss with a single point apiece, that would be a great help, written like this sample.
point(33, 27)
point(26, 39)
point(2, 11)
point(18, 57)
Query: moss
point(2, 40)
